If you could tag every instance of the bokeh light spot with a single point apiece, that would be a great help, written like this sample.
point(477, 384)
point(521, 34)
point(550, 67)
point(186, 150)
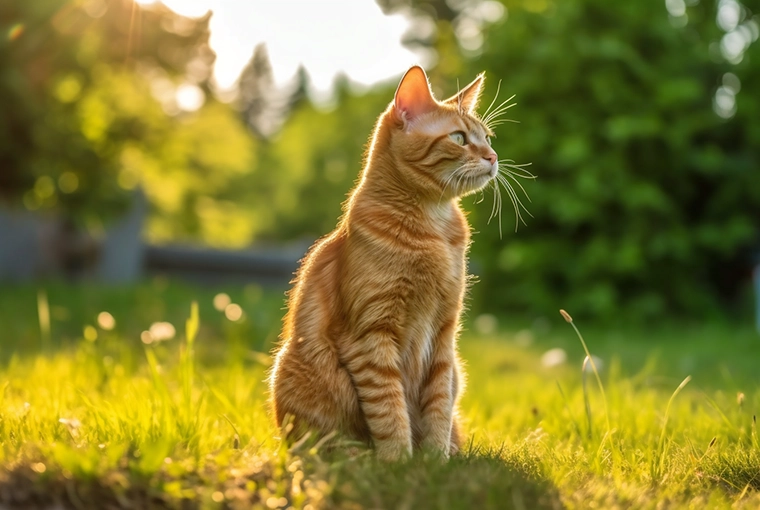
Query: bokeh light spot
point(44, 187)
point(554, 357)
point(233, 312)
point(486, 324)
point(68, 89)
point(676, 8)
point(15, 31)
point(68, 182)
point(221, 301)
point(190, 97)
point(95, 8)
point(128, 179)
point(724, 102)
point(90, 333)
point(106, 321)
point(729, 13)
point(161, 331)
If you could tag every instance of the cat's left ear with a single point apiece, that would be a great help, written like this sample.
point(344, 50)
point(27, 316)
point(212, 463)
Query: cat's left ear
point(413, 96)
point(467, 99)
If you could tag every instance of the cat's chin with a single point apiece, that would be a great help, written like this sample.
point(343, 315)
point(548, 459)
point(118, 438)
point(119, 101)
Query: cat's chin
point(477, 183)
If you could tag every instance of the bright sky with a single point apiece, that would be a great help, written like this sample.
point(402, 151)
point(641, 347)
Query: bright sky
point(327, 36)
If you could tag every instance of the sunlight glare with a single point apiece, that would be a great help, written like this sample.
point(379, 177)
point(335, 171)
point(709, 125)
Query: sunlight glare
point(340, 36)
point(189, 97)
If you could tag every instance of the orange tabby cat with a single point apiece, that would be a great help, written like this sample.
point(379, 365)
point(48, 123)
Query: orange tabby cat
point(369, 340)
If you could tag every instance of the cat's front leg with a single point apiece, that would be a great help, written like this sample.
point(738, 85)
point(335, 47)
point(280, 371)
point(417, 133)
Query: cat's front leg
point(438, 395)
point(374, 365)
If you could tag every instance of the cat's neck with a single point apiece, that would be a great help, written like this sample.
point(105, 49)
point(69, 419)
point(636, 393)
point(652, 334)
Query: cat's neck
point(393, 191)
point(420, 212)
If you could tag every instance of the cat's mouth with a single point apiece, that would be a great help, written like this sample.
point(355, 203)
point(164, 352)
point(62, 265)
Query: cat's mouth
point(481, 179)
point(490, 173)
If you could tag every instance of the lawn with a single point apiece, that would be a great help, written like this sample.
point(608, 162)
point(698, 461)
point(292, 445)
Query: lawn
point(150, 406)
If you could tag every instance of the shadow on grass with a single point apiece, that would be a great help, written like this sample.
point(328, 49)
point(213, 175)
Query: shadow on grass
point(510, 478)
point(498, 479)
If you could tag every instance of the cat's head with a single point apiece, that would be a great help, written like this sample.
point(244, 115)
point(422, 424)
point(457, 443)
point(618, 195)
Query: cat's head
point(442, 148)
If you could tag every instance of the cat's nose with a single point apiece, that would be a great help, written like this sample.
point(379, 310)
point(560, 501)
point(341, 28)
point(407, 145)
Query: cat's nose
point(492, 157)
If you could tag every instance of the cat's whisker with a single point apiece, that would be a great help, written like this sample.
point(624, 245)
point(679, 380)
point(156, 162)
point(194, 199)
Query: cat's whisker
point(494, 116)
point(499, 122)
point(503, 106)
point(496, 187)
point(496, 208)
point(520, 205)
point(509, 191)
point(511, 162)
point(493, 123)
point(493, 207)
point(457, 188)
point(517, 173)
point(446, 183)
point(493, 101)
point(493, 119)
point(519, 214)
point(516, 202)
point(517, 170)
point(509, 174)
point(517, 198)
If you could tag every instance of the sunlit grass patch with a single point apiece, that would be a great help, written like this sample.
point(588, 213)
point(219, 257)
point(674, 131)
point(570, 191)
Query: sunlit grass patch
point(183, 421)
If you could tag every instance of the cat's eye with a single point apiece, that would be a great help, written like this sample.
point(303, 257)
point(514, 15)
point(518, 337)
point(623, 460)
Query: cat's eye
point(459, 137)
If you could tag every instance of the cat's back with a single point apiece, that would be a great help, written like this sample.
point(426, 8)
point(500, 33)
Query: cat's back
point(312, 298)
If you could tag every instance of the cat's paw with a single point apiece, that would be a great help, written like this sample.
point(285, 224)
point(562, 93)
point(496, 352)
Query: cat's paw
point(393, 451)
point(432, 449)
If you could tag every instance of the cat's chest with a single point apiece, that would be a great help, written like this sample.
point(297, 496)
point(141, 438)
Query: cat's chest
point(446, 257)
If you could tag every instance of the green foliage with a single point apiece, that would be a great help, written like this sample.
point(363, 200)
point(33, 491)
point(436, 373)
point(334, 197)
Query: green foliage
point(89, 114)
point(306, 171)
point(647, 202)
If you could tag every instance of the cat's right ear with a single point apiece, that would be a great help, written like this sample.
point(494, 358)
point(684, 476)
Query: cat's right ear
point(413, 96)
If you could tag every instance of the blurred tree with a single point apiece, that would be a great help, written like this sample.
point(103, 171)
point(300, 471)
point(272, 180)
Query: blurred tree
point(56, 147)
point(259, 99)
point(304, 172)
point(300, 92)
point(648, 198)
point(102, 96)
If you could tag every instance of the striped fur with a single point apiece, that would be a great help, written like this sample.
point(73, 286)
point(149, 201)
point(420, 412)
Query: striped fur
point(368, 346)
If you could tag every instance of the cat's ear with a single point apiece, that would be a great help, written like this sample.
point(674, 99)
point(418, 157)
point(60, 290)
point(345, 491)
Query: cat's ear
point(467, 99)
point(413, 95)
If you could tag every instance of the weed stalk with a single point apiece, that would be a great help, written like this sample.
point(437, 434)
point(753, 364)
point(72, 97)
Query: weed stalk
point(659, 459)
point(590, 359)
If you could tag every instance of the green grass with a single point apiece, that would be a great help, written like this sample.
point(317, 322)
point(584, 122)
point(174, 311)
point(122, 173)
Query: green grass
point(96, 418)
